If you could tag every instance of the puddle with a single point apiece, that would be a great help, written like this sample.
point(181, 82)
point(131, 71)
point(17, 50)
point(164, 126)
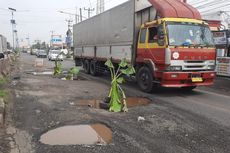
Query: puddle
point(131, 102)
point(43, 73)
point(75, 78)
point(40, 73)
point(137, 101)
point(78, 135)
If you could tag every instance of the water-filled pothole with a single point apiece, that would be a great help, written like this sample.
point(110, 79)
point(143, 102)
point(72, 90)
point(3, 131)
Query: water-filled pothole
point(78, 135)
point(131, 102)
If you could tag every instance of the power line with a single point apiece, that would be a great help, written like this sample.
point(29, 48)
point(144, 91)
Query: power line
point(219, 7)
point(207, 5)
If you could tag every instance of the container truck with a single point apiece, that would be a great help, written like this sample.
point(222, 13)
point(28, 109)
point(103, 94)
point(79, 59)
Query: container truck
point(3, 44)
point(166, 41)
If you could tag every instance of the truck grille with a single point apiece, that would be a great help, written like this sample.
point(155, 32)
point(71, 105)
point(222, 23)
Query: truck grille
point(194, 65)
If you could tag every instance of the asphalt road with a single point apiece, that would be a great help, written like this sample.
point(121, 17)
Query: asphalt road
point(175, 121)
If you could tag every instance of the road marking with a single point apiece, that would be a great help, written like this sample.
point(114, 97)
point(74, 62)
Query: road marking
point(213, 93)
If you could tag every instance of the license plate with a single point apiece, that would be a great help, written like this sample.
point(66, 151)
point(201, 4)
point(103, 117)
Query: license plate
point(197, 80)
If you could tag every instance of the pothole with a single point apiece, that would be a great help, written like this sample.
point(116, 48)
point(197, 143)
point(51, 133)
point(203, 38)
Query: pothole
point(39, 72)
point(75, 78)
point(95, 134)
point(99, 104)
point(50, 73)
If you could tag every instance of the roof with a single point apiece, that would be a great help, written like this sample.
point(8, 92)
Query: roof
point(175, 9)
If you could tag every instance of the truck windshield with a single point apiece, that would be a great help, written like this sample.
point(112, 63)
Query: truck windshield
point(187, 34)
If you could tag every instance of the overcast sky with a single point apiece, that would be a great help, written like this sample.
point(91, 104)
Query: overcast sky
point(37, 18)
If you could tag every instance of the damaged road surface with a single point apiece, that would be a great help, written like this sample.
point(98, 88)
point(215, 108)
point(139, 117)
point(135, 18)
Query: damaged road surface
point(44, 108)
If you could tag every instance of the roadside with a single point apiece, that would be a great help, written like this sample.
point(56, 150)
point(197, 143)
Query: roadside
point(43, 103)
point(221, 86)
point(6, 66)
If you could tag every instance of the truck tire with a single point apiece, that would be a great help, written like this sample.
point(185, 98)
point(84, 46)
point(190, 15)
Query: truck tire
point(93, 70)
point(78, 62)
point(145, 79)
point(87, 66)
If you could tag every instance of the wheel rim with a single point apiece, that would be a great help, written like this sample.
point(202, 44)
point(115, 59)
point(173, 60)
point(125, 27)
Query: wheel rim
point(86, 67)
point(144, 80)
point(92, 68)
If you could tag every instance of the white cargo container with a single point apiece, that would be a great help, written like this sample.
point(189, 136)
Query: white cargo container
point(114, 31)
point(3, 44)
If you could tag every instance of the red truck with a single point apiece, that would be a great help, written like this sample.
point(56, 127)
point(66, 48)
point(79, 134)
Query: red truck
point(166, 41)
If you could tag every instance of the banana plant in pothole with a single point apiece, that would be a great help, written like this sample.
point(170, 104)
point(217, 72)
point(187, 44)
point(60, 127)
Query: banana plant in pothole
point(58, 65)
point(58, 70)
point(74, 71)
point(117, 95)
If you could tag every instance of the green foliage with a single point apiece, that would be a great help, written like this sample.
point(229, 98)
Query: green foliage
point(3, 81)
point(117, 95)
point(109, 64)
point(57, 68)
point(3, 93)
point(72, 72)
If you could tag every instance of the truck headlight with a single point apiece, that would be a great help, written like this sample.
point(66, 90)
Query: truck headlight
point(211, 67)
point(174, 68)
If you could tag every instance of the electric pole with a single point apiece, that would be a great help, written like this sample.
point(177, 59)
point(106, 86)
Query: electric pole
point(69, 23)
point(28, 40)
point(51, 39)
point(89, 11)
point(80, 14)
point(76, 15)
point(100, 6)
point(13, 24)
point(16, 38)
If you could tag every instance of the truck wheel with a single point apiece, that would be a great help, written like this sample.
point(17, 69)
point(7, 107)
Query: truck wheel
point(87, 66)
point(145, 79)
point(78, 62)
point(188, 89)
point(93, 70)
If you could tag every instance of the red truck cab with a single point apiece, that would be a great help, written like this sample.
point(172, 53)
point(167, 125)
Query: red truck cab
point(175, 52)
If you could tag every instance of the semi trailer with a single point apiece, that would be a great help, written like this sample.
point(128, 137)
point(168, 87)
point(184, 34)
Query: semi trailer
point(166, 41)
point(3, 44)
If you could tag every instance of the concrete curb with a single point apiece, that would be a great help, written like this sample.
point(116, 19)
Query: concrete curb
point(2, 111)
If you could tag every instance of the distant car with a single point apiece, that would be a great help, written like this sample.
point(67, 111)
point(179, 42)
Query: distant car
point(41, 54)
point(53, 54)
point(33, 52)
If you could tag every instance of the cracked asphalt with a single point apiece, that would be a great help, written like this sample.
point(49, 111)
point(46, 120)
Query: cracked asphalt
point(175, 122)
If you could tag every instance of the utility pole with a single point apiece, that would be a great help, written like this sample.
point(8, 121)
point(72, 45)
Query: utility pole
point(12, 23)
point(69, 23)
point(76, 16)
point(89, 11)
point(51, 39)
point(80, 14)
point(28, 40)
point(100, 6)
point(16, 37)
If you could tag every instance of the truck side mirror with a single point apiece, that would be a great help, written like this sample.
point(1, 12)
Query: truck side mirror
point(161, 37)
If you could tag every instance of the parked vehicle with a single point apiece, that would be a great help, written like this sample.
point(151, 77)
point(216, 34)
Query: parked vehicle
point(166, 41)
point(222, 41)
point(41, 54)
point(3, 46)
point(53, 55)
point(34, 51)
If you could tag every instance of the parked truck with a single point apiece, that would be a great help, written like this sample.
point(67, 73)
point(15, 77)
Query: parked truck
point(3, 44)
point(166, 41)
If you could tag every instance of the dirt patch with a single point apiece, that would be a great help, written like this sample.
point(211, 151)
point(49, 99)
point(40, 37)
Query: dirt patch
point(103, 131)
point(137, 101)
point(78, 135)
